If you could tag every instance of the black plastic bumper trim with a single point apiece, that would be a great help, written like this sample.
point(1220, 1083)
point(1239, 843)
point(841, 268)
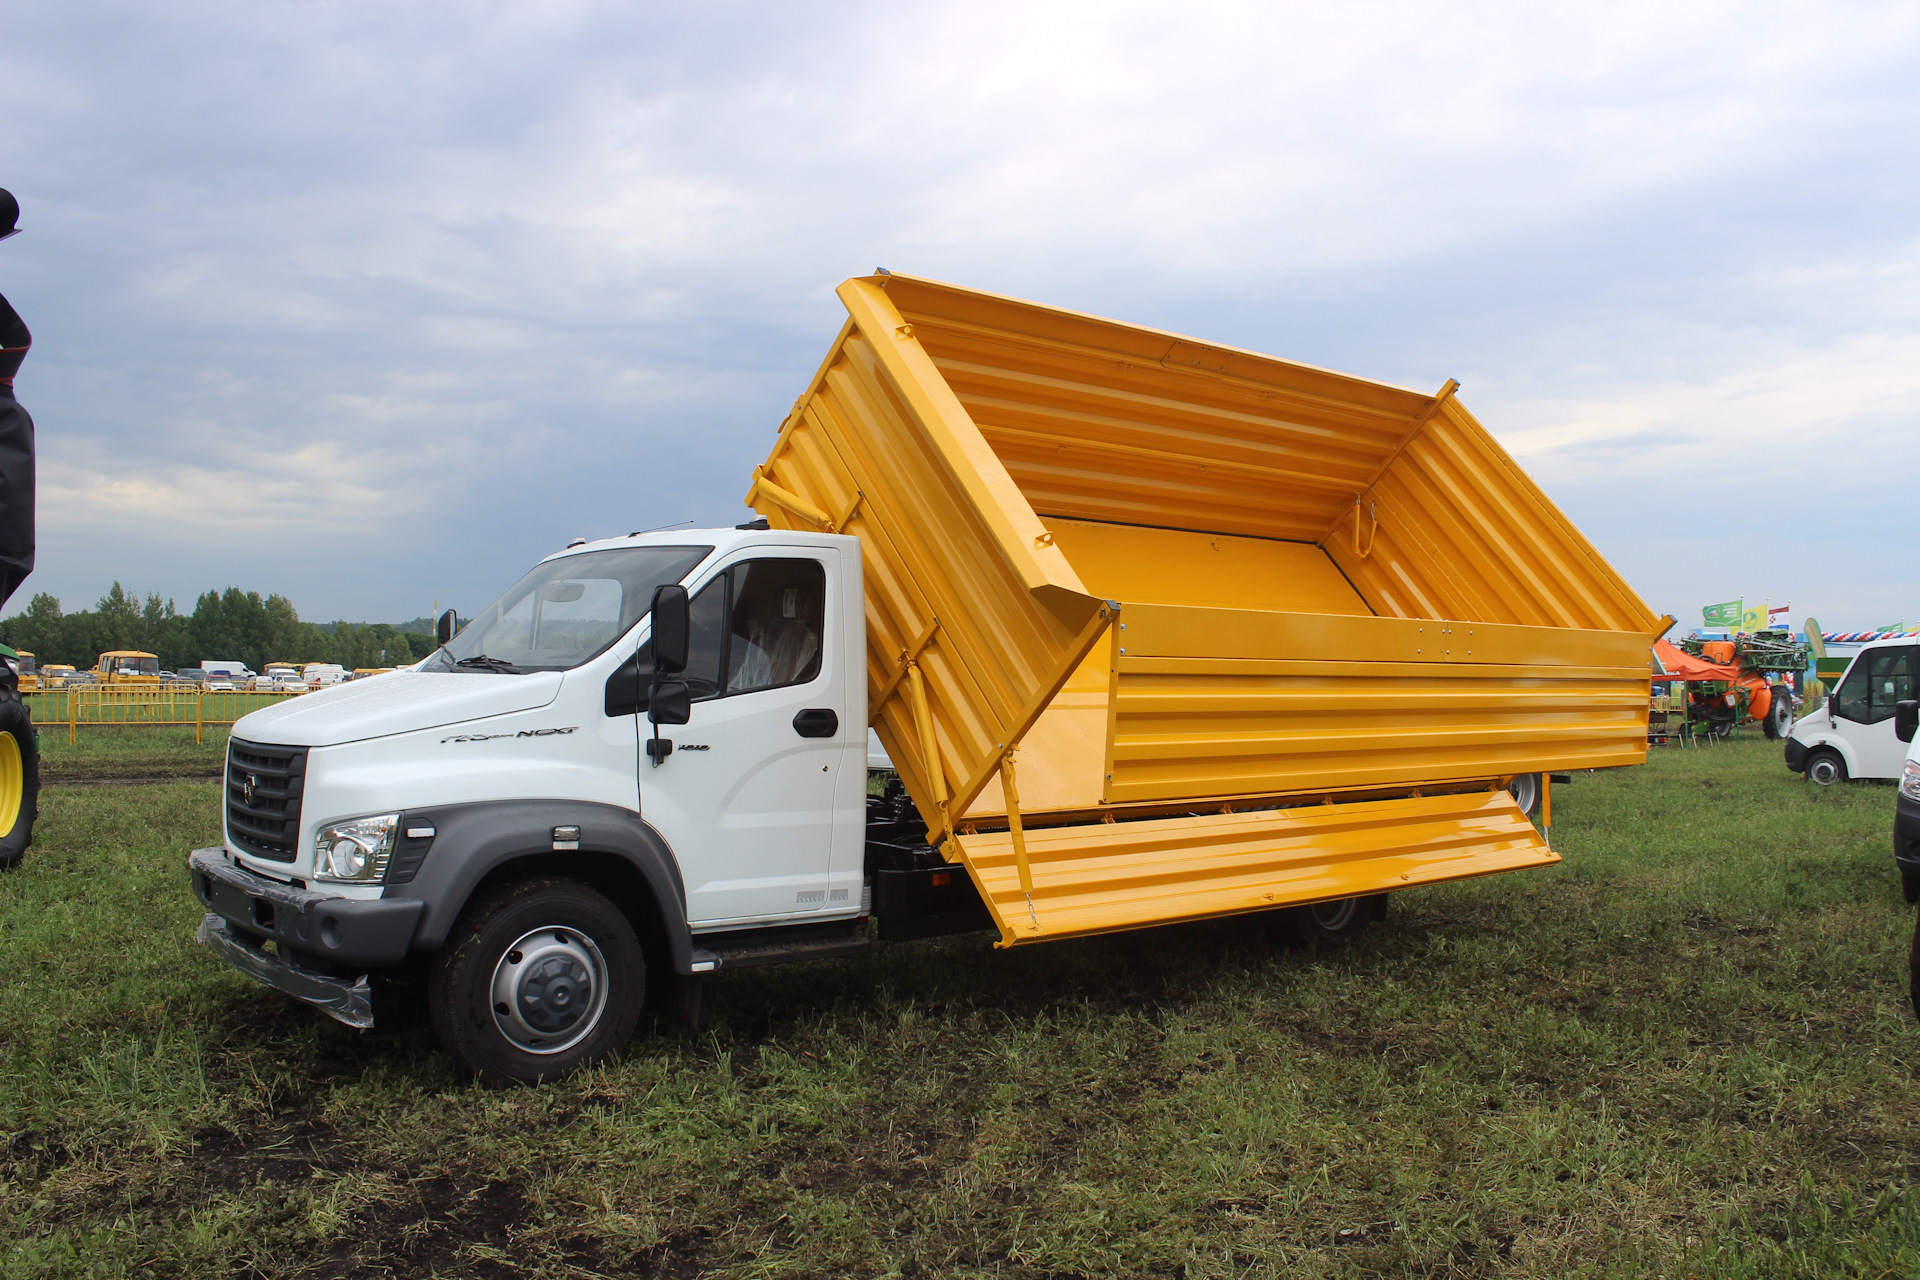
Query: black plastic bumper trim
point(1796, 755)
point(348, 999)
point(373, 933)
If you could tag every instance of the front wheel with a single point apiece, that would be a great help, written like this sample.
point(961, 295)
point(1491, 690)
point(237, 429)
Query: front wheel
point(1825, 767)
point(19, 778)
point(539, 979)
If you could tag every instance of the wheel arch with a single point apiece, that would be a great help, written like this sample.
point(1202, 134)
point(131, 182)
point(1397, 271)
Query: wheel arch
point(478, 846)
point(1840, 747)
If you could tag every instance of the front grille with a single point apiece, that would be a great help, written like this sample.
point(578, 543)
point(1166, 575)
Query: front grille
point(264, 785)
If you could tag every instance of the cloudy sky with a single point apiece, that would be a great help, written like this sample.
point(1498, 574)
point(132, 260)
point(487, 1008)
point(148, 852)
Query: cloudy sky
point(374, 304)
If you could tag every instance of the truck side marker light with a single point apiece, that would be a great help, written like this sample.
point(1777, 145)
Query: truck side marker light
point(565, 838)
point(420, 833)
point(702, 966)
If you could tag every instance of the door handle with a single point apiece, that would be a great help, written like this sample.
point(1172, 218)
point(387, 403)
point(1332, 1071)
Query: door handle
point(816, 722)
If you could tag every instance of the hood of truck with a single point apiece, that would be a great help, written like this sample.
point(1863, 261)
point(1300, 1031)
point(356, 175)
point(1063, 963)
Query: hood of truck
point(400, 702)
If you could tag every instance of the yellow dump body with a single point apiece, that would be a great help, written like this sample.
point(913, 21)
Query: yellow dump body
point(1181, 593)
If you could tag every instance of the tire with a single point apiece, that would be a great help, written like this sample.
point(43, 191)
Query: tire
point(1825, 767)
point(1336, 923)
point(19, 778)
point(1779, 721)
point(1525, 790)
point(539, 979)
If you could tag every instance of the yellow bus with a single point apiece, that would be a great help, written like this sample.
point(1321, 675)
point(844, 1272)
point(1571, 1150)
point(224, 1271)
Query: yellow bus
point(54, 675)
point(29, 673)
point(127, 666)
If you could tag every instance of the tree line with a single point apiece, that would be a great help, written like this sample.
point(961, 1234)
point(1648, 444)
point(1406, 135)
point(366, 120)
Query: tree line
point(231, 625)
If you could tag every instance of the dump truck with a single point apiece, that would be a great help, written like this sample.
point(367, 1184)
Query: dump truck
point(1152, 629)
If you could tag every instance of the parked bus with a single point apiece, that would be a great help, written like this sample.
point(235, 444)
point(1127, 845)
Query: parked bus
point(127, 667)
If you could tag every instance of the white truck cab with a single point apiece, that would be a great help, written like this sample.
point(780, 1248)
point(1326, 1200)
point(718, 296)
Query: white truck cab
point(1851, 735)
point(364, 820)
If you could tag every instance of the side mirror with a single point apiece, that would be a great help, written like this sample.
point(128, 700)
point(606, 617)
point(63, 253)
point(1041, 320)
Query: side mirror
point(670, 702)
point(1906, 718)
point(672, 627)
point(443, 629)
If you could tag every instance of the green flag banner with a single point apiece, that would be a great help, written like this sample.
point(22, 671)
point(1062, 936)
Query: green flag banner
point(1724, 615)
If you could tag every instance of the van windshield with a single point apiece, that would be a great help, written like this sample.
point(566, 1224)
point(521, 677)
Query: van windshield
point(567, 611)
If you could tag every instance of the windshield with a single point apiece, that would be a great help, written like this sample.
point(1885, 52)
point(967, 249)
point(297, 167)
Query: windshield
point(568, 610)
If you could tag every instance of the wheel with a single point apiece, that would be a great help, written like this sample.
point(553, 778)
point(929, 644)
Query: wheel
point(539, 978)
point(1332, 924)
point(1779, 721)
point(1825, 766)
point(1525, 790)
point(19, 777)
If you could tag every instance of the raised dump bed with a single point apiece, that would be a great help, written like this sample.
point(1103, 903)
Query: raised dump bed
point(1243, 633)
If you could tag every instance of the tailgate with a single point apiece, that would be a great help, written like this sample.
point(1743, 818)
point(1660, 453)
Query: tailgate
point(1108, 876)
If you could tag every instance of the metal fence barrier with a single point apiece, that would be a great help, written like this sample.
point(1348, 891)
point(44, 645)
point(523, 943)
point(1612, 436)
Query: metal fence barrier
point(141, 707)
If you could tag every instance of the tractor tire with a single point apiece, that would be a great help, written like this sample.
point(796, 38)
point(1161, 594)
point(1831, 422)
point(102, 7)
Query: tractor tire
point(19, 777)
point(1779, 721)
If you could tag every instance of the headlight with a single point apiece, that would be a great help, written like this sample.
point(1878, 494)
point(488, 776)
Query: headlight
point(1910, 780)
point(356, 850)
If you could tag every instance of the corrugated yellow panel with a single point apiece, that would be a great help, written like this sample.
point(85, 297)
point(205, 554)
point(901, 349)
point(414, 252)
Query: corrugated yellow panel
point(1217, 703)
point(1464, 533)
point(1122, 875)
point(955, 561)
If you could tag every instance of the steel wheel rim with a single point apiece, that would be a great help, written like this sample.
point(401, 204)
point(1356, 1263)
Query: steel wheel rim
point(551, 997)
point(13, 782)
point(1824, 771)
point(1334, 916)
point(1525, 792)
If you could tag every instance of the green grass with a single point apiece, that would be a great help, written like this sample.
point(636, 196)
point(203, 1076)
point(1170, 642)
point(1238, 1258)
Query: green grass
point(1685, 1051)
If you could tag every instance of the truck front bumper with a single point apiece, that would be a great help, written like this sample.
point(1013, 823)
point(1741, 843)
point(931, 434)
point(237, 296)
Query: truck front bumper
point(317, 935)
point(1796, 755)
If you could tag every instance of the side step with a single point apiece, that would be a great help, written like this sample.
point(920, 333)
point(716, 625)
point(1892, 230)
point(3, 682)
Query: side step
point(1105, 877)
point(782, 944)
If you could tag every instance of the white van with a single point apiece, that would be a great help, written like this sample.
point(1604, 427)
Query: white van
point(1851, 735)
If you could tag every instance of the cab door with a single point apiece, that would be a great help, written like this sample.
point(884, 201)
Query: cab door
point(746, 799)
point(1863, 707)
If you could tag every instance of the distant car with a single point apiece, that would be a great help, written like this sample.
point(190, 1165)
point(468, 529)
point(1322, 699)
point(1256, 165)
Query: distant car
point(220, 684)
point(194, 674)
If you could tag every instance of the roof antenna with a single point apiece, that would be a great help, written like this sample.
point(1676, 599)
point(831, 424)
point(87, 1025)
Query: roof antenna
point(659, 527)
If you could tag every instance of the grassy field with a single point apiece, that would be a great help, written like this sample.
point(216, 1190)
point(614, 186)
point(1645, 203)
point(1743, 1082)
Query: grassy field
point(123, 755)
point(1685, 1051)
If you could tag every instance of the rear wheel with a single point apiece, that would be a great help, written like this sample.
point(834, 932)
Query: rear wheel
point(1525, 790)
point(1779, 722)
point(19, 778)
point(1336, 923)
point(1825, 766)
point(539, 979)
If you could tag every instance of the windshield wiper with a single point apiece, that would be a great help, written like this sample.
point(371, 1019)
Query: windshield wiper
point(481, 662)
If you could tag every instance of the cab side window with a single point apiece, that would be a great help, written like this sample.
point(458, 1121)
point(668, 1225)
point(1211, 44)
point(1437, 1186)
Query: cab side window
point(1851, 700)
point(1891, 680)
point(776, 624)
